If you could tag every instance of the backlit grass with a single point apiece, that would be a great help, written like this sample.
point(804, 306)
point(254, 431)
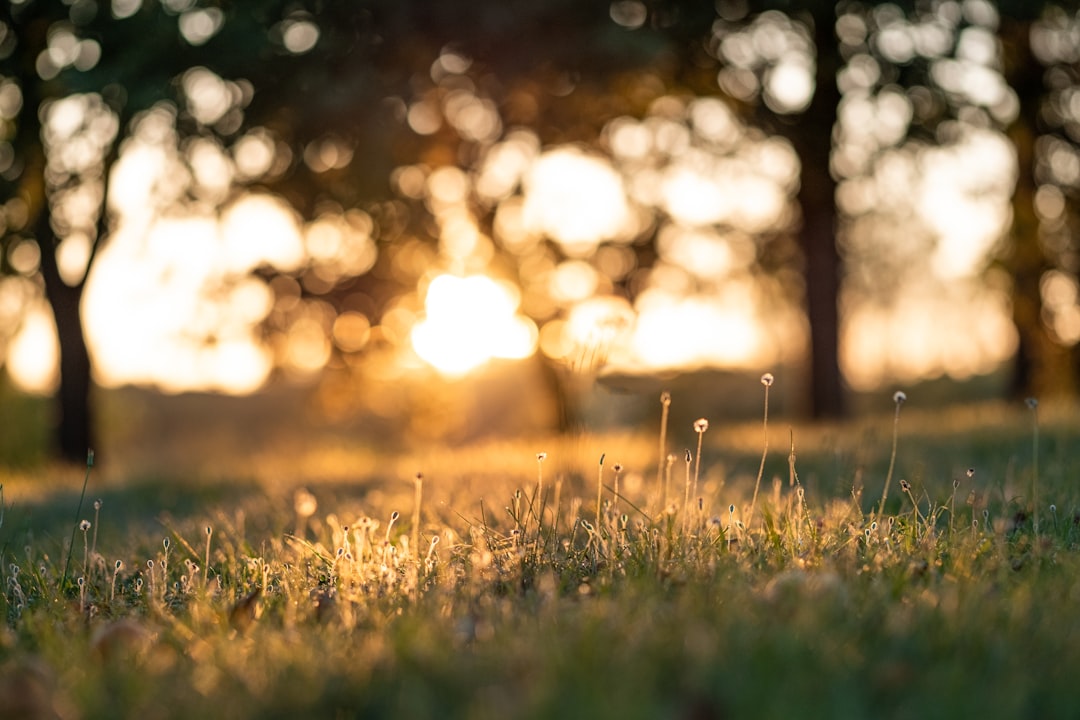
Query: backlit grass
point(487, 582)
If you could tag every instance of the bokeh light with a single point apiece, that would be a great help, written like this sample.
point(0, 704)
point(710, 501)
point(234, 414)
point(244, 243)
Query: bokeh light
point(468, 322)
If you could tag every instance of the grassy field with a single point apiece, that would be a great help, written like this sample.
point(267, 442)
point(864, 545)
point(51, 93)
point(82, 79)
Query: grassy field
point(321, 578)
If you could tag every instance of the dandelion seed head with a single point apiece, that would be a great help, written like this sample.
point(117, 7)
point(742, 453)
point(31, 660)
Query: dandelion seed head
point(899, 397)
point(541, 456)
point(617, 467)
point(1032, 403)
point(665, 398)
point(767, 379)
point(84, 525)
point(1053, 508)
point(971, 472)
point(701, 425)
point(97, 504)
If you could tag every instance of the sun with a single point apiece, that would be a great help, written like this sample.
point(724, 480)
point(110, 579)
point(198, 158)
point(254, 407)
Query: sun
point(470, 321)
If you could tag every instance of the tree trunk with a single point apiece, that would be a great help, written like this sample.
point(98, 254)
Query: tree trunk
point(812, 140)
point(74, 419)
point(1042, 366)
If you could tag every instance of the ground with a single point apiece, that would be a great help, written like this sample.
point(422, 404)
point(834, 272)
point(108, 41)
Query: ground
point(234, 569)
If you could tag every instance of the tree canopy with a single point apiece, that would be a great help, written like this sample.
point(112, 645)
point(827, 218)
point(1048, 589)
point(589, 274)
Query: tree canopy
point(355, 115)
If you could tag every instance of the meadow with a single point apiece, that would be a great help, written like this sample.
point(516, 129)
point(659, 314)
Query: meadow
point(912, 563)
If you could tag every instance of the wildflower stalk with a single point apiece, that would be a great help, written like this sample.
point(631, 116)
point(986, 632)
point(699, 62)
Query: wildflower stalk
point(419, 487)
point(686, 493)
point(767, 381)
point(615, 494)
point(898, 397)
point(700, 426)
point(78, 512)
point(599, 491)
point(906, 487)
point(667, 480)
point(1033, 405)
point(538, 503)
point(665, 404)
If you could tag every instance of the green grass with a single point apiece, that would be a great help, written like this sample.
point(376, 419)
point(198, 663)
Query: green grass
point(507, 600)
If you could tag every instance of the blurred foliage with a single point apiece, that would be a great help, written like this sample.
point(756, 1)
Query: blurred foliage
point(332, 99)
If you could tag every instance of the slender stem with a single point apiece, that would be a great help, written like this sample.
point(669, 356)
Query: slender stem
point(697, 468)
point(599, 491)
point(1035, 460)
point(419, 486)
point(686, 493)
point(764, 453)
point(899, 400)
point(665, 403)
point(78, 512)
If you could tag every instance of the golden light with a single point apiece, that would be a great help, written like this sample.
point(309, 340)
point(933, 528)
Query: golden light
point(595, 331)
point(679, 331)
point(470, 321)
point(261, 229)
point(964, 199)
point(962, 330)
point(34, 352)
point(172, 305)
point(576, 199)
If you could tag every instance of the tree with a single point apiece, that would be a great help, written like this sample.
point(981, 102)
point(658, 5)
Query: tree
point(326, 90)
point(1042, 257)
point(329, 97)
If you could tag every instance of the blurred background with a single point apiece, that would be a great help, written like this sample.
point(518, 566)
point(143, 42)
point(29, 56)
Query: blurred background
point(419, 221)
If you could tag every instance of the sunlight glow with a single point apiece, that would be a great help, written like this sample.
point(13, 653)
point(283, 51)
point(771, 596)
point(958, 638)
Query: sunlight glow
point(676, 331)
point(470, 321)
point(959, 331)
point(174, 321)
point(33, 355)
point(576, 199)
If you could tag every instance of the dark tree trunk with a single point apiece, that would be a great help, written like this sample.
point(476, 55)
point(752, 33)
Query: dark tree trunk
point(1042, 365)
point(812, 140)
point(74, 421)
